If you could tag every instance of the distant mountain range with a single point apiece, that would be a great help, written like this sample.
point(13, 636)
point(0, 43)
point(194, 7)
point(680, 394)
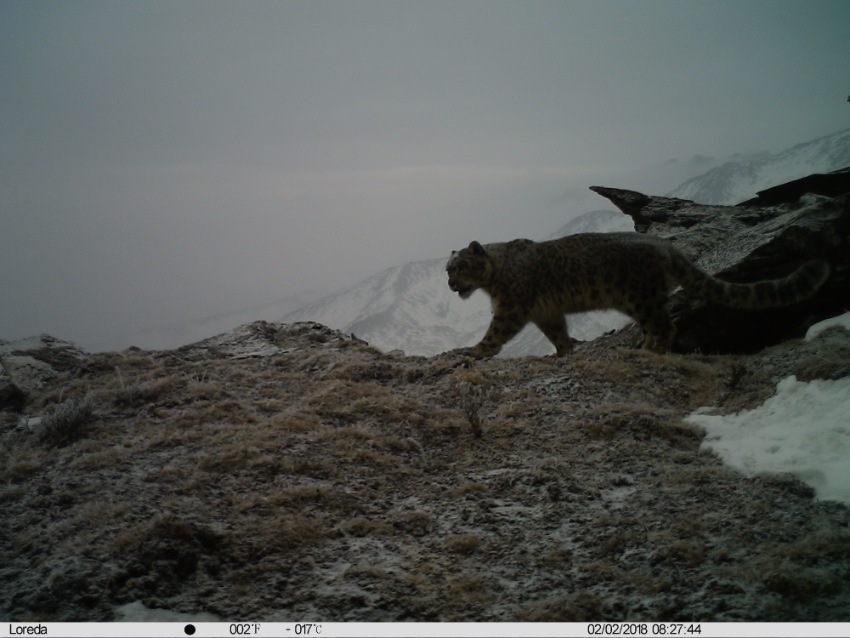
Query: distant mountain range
point(735, 182)
point(411, 308)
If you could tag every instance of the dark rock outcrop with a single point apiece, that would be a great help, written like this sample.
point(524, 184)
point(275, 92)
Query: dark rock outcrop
point(28, 364)
point(745, 244)
point(831, 184)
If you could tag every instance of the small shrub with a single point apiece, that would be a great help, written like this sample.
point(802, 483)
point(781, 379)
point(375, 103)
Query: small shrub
point(262, 536)
point(614, 544)
point(472, 399)
point(469, 488)
point(135, 395)
point(367, 572)
point(67, 420)
point(417, 523)
point(474, 389)
point(101, 459)
point(687, 553)
point(363, 527)
point(11, 493)
point(464, 544)
point(469, 588)
point(18, 471)
point(578, 607)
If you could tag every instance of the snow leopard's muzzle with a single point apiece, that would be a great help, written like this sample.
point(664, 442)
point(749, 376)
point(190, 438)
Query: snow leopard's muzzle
point(463, 291)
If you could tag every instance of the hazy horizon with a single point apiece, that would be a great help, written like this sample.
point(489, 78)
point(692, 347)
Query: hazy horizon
point(164, 163)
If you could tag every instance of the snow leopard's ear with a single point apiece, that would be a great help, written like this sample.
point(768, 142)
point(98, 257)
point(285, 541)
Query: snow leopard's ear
point(476, 249)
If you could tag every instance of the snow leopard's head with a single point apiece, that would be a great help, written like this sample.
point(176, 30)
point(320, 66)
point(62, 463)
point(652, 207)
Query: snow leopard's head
point(469, 269)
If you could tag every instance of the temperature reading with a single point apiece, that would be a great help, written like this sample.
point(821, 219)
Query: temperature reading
point(307, 629)
point(245, 628)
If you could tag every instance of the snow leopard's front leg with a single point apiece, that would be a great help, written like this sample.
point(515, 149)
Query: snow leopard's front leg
point(506, 323)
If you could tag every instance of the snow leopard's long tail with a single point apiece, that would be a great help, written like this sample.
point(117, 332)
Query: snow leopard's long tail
point(770, 293)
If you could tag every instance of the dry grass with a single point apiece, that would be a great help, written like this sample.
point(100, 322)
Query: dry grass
point(366, 527)
point(68, 420)
point(578, 607)
point(16, 470)
point(332, 481)
point(473, 488)
point(830, 358)
point(100, 459)
point(465, 544)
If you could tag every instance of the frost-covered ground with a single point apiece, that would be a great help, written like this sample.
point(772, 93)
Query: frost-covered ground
point(804, 429)
point(282, 472)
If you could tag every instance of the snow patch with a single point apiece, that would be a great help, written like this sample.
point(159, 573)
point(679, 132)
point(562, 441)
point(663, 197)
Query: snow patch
point(804, 430)
point(840, 320)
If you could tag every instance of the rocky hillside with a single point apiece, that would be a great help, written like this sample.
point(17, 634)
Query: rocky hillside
point(290, 471)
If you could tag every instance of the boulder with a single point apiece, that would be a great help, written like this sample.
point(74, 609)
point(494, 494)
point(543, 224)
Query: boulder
point(748, 243)
point(29, 364)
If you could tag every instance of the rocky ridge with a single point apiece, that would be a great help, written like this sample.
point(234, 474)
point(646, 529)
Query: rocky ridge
point(748, 244)
point(291, 471)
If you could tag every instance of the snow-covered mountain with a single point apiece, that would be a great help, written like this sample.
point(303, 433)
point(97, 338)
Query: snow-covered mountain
point(411, 308)
point(735, 182)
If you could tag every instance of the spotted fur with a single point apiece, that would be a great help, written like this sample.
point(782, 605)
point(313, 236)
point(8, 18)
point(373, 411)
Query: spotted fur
point(633, 273)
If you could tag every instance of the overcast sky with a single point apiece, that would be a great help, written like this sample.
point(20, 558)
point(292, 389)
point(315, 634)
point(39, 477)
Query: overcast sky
point(162, 162)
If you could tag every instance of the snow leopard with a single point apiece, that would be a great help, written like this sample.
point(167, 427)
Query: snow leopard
point(541, 282)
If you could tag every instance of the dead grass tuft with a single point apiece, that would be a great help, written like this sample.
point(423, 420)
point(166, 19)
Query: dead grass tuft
point(465, 544)
point(827, 546)
point(293, 498)
point(472, 488)
point(684, 553)
point(468, 589)
point(641, 424)
point(11, 493)
point(579, 607)
point(67, 421)
point(416, 523)
point(148, 388)
point(689, 526)
point(312, 467)
point(835, 366)
point(295, 422)
point(796, 585)
point(17, 470)
point(382, 371)
point(101, 459)
point(365, 527)
point(236, 458)
point(367, 572)
point(474, 389)
point(647, 583)
point(614, 544)
point(261, 537)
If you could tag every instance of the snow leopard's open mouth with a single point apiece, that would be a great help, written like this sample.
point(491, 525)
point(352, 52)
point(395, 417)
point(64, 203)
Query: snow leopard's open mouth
point(463, 292)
